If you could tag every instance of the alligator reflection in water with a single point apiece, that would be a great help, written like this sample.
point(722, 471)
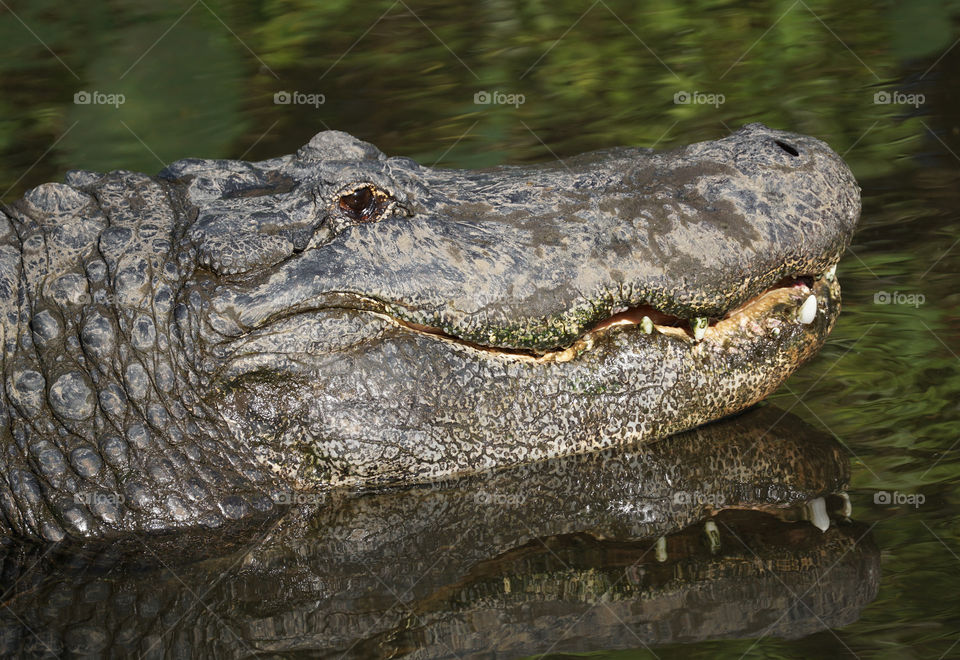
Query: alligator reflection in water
point(606, 550)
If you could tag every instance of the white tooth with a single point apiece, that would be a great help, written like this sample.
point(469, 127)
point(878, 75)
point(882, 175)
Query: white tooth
point(713, 536)
point(808, 310)
point(817, 514)
point(646, 324)
point(662, 549)
point(700, 327)
point(847, 506)
point(831, 273)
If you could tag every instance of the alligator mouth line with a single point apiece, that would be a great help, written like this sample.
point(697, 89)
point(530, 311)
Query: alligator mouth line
point(651, 320)
point(794, 300)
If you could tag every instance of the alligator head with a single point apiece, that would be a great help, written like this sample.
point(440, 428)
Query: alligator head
point(340, 317)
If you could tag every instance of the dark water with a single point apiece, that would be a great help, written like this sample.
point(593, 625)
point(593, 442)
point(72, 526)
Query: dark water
point(878, 81)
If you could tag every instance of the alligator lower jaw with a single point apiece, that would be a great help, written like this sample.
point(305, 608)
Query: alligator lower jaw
point(794, 300)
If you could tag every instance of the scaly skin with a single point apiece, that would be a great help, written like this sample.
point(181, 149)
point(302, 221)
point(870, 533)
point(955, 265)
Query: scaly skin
point(181, 350)
point(555, 555)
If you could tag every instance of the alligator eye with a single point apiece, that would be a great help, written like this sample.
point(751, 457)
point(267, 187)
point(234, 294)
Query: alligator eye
point(364, 204)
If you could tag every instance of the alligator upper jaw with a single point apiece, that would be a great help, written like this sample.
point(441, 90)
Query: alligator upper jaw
point(532, 258)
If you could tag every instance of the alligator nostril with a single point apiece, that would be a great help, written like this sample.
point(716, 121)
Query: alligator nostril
point(790, 149)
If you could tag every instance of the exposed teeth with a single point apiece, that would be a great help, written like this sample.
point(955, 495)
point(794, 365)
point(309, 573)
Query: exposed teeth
point(817, 514)
point(808, 310)
point(662, 549)
point(713, 536)
point(831, 273)
point(646, 324)
point(700, 327)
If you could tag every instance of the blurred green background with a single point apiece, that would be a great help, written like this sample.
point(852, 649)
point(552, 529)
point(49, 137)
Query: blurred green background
point(199, 79)
point(877, 80)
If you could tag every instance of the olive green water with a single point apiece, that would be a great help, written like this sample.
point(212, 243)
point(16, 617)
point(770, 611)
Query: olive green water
point(878, 81)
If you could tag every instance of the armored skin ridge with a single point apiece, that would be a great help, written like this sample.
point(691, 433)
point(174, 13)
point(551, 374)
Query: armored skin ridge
point(187, 349)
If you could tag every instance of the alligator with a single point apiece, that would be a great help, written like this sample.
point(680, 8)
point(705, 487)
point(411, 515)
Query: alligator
point(183, 349)
point(737, 529)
